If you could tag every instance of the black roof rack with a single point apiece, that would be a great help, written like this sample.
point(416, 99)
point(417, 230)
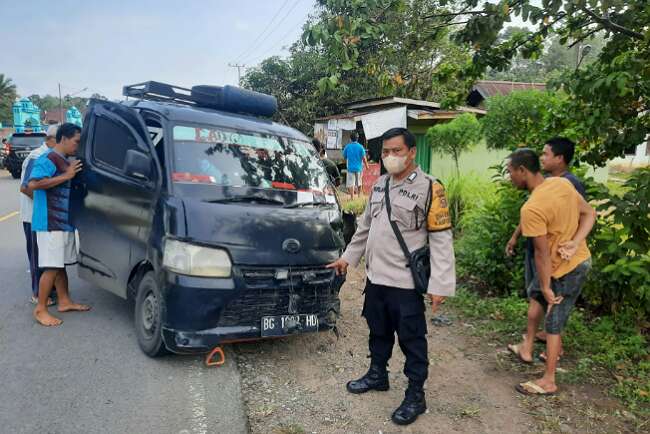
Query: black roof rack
point(227, 98)
point(157, 91)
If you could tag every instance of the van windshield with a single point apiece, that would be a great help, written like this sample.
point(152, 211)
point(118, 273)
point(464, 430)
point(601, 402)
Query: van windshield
point(222, 157)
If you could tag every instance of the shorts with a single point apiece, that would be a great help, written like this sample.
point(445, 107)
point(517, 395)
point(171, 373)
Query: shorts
point(353, 179)
point(56, 249)
point(568, 286)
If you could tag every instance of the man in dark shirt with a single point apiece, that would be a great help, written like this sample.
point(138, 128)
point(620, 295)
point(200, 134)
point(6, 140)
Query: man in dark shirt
point(330, 168)
point(555, 159)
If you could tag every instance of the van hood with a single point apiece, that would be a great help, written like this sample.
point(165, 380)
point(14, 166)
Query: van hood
point(256, 234)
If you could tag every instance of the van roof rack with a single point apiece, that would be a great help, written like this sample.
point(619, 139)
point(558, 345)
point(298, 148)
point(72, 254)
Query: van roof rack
point(157, 91)
point(228, 98)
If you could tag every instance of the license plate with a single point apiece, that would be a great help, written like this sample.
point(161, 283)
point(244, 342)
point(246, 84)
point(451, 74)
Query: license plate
point(282, 325)
point(23, 154)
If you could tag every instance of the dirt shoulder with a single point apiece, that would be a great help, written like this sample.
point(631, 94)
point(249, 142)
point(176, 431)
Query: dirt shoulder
point(297, 385)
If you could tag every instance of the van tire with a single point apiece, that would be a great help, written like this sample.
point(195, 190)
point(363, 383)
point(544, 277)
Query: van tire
point(15, 174)
point(149, 305)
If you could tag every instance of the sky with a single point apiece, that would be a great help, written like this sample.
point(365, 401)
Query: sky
point(103, 45)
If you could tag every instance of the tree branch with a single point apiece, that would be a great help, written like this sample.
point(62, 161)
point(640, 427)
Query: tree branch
point(609, 24)
point(454, 14)
point(577, 41)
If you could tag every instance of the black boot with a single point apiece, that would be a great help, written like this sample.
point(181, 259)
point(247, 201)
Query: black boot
point(375, 379)
point(413, 405)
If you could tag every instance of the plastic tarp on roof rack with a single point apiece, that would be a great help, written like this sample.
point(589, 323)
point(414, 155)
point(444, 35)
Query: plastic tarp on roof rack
point(227, 98)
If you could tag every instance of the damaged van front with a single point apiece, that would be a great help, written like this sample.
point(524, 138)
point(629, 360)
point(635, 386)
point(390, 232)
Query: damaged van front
point(218, 226)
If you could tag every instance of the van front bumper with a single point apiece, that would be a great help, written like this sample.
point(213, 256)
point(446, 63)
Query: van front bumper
point(202, 313)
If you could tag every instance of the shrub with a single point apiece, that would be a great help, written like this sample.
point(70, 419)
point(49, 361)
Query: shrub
point(480, 251)
point(464, 194)
point(354, 206)
point(620, 248)
point(455, 137)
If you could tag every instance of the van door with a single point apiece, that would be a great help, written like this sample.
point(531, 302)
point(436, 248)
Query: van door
point(114, 195)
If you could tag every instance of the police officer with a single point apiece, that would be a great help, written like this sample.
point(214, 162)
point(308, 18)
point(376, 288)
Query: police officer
point(391, 305)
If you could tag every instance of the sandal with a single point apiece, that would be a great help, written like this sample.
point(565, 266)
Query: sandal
point(514, 349)
point(50, 301)
point(543, 357)
point(529, 388)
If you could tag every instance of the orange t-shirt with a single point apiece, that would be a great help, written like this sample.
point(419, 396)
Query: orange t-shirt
point(553, 210)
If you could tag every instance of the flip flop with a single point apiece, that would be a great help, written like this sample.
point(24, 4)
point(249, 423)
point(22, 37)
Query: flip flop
point(514, 349)
point(529, 388)
point(543, 357)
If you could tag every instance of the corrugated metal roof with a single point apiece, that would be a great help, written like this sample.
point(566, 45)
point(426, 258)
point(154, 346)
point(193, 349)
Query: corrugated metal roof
point(488, 88)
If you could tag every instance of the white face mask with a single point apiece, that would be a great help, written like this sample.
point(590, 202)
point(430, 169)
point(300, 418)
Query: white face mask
point(394, 164)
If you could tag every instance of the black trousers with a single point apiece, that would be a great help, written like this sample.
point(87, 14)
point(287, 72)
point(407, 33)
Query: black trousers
point(389, 310)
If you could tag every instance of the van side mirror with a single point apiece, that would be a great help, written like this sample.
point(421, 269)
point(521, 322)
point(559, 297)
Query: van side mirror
point(137, 164)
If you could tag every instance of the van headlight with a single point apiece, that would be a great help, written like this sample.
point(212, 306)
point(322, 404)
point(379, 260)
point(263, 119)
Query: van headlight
point(193, 260)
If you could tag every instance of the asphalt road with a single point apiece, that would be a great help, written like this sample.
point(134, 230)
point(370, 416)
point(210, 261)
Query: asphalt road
point(89, 375)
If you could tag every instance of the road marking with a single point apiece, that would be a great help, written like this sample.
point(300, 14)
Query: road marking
point(8, 216)
point(199, 422)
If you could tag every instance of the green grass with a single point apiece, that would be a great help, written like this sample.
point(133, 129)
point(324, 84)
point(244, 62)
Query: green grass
point(355, 206)
point(607, 350)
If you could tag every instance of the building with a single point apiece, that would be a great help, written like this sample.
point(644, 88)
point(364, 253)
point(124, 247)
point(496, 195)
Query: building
point(483, 89)
point(371, 117)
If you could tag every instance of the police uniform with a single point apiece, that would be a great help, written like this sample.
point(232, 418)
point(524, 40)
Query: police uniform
point(420, 209)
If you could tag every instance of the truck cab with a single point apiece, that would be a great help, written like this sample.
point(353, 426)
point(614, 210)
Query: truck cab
point(215, 221)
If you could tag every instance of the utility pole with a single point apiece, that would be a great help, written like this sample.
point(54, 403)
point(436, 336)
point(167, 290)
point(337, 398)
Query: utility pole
point(239, 67)
point(60, 104)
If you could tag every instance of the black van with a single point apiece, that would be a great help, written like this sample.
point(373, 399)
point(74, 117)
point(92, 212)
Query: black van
point(214, 220)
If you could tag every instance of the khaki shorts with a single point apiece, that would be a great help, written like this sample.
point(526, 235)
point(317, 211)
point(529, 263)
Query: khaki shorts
point(353, 179)
point(56, 249)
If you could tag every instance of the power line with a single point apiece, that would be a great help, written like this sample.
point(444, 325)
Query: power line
point(278, 42)
point(255, 48)
point(268, 26)
point(239, 67)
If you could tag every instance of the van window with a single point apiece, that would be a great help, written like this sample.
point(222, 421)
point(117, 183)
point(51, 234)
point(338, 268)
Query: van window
point(110, 143)
point(228, 158)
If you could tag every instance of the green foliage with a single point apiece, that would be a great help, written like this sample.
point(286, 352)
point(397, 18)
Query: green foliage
point(393, 44)
point(455, 137)
point(356, 206)
point(465, 193)
point(620, 246)
point(610, 350)
point(607, 99)
point(519, 119)
point(7, 98)
point(480, 251)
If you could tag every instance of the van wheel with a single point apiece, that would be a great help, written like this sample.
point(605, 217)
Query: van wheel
point(15, 174)
point(148, 317)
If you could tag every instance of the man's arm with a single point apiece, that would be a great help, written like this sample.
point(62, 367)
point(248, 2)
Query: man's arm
point(26, 191)
point(51, 182)
point(585, 224)
point(543, 266)
point(510, 246)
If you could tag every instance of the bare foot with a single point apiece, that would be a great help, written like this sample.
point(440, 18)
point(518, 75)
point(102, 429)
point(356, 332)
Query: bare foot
point(72, 307)
point(44, 318)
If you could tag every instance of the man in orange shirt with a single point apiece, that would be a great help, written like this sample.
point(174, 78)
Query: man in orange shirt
point(558, 220)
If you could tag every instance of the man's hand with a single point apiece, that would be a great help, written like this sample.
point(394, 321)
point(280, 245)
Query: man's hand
point(510, 247)
point(568, 249)
point(551, 299)
point(436, 301)
point(72, 170)
point(340, 266)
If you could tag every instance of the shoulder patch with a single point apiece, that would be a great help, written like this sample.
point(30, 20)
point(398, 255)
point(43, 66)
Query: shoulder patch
point(438, 218)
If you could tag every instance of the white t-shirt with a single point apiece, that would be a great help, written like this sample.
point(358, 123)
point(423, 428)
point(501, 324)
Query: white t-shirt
point(26, 204)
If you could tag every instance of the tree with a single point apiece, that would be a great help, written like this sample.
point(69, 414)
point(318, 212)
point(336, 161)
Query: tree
point(607, 99)
point(7, 98)
point(389, 44)
point(455, 137)
point(520, 119)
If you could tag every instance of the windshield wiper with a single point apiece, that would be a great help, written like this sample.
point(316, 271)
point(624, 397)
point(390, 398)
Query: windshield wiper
point(248, 199)
point(301, 204)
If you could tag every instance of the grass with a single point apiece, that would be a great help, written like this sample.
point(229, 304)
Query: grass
point(609, 351)
point(355, 206)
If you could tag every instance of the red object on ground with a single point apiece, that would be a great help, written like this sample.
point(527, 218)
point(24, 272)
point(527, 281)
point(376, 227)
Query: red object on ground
point(370, 176)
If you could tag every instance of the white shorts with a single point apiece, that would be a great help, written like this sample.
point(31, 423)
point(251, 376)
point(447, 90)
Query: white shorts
point(56, 249)
point(353, 179)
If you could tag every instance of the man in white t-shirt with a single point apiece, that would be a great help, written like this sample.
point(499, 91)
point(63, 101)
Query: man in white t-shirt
point(26, 208)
